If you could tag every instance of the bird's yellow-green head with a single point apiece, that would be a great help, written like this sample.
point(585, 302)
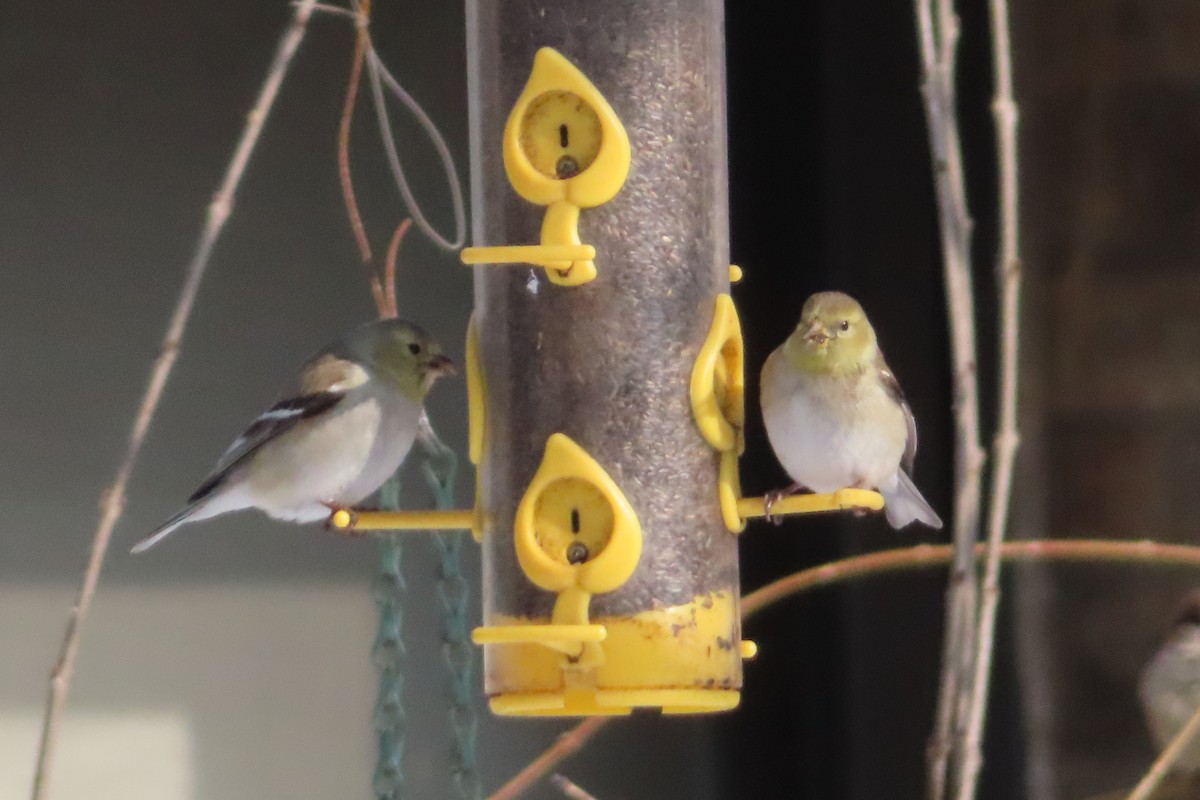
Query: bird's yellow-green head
point(833, 337)
point(402, 352)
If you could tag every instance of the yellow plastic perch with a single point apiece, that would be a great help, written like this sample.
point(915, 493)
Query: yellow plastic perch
point(530, 254)
point(841, 500)
point(455, 520)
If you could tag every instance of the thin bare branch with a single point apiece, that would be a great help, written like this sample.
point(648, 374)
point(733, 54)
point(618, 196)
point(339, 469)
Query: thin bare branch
point(1008, 281)
point(879, 563)
point(379, 296)
point(1166, 759)
point(383, 290)
point(567, 744)
point(112, 503)
point(1081, 551)
point(938, 44)
point(326, 8)
point(361, 43)
point(389, 271)
point(569, 788)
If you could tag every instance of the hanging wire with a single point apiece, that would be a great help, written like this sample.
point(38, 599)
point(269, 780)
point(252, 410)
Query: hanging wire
point(389, 718)
point(375, 71)
point(440, 468)
point(379, 75)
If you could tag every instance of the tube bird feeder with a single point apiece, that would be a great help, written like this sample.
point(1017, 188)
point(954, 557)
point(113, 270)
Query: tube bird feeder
point(610, 575)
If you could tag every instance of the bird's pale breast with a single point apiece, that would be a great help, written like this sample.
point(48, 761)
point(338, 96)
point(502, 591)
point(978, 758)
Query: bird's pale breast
point(291, 475)
point(830, 432)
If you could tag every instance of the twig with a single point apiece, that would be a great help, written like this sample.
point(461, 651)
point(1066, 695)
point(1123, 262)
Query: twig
point(390, 303)
point(112, 503)
point(361, 43)
point(383, 290)
point(1082, 551)
point(567, 744)
point(938, 45)
point(885, 561)
point(569, 788)
point(327, 8)
point(1004, 448)
point(1166, 759)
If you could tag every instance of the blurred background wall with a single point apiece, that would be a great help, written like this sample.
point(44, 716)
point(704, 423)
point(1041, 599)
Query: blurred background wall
point(1110, 95)
point(234, 662)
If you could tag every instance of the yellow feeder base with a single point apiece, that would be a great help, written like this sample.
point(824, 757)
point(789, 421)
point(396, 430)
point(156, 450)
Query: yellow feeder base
point(683, 660)
point(614, 702)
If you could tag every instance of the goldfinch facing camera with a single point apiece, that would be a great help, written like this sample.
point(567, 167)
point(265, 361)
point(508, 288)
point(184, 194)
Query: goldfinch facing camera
point(334, 439)
point(835, 415)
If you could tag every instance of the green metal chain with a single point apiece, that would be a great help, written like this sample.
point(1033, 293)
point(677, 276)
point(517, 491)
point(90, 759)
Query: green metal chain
point(389, 717)
point(388, 588)
point(440, 468)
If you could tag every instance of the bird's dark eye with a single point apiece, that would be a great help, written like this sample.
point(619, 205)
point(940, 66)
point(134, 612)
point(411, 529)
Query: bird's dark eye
point(415, 349)
point(845, 325)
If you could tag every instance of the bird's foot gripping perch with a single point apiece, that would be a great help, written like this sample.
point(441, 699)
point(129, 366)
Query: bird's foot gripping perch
point(773, 497)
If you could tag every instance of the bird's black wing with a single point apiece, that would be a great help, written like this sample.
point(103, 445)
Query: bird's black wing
point(271, 424)
point(893, 389)
point(324, 381)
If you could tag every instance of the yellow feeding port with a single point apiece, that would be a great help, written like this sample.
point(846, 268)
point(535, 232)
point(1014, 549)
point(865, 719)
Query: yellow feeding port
point(718, 380)
point(560, 134)
point(476, 422)
point(718, 389)
point(574, 528)
point(564, 148)
point(572, 521)
point(563, 142)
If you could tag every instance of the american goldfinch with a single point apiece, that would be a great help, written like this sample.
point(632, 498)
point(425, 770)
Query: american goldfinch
point(334, 439)
point(835, 415)
point(1170, 685)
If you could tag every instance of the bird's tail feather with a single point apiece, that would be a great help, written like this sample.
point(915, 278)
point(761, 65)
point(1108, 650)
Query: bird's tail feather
point(208, 505)
point(164, 530)
point(904, 504)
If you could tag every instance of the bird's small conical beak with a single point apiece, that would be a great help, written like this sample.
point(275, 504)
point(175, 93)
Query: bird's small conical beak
point(816, 334)
point(440, 365)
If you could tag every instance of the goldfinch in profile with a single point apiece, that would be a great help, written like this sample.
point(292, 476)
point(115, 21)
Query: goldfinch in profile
point(835, 415)
point(341, 432)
